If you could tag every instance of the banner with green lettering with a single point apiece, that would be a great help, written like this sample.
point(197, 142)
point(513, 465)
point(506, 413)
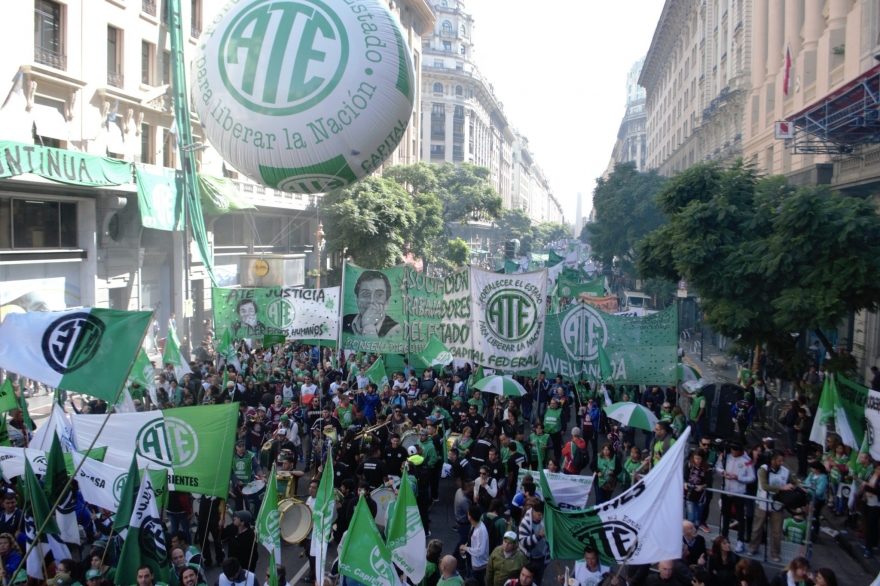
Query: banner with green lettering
point(159, 198)
point(61, 165)
point(396, 310)
point(642, 350)
point(853, 398)
point(277, 311)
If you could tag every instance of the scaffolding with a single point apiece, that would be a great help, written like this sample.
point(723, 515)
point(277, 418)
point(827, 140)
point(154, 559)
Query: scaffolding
point(841, 121)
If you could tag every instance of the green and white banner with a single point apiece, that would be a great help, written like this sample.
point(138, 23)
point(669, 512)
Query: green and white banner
point(287, 311)
point(479, 316)
point(397, 310)
point(100, 483)
point(62, 165)
point(406, 534)
point(87, 351)
point(145, 543)
point(642, 350)
point(194, 444)
point(508, 314)
point(377, 374)
point(363, 556)
point(570, 491)
point(159, 198)
point(594, 288)
point(144, 375)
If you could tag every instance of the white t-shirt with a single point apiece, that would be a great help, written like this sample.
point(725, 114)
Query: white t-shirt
point(363, 381)
point(585, 577)
point(309, 389)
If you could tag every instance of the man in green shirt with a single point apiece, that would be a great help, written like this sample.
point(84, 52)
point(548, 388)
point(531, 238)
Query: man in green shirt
point(698, 412)
point(429, 452)
point(505, 561)
point(449, 572)
point(553, 427)
point(795, 529)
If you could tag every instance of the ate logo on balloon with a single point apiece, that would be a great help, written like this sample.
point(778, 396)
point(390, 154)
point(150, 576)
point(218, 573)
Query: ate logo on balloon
point(281, 58)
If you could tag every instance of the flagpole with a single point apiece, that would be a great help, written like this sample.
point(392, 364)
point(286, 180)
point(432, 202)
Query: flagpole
point(54, 507)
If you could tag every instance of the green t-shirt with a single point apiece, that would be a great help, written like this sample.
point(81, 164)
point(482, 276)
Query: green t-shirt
point(794, 531)
point(538, 442)
point(552, 420)
point(345, 415)
point(662, 446)
point(430, 570)
point(697, 403)
point(629, 467)
point(455, 580)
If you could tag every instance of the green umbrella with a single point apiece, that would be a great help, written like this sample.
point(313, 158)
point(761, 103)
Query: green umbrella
point(500, 385)
point(632, 414)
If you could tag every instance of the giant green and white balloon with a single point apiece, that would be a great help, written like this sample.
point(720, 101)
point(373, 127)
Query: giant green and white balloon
point(304, 95)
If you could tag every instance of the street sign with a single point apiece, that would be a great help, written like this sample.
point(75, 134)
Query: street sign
point(683, 285)
point(784, 129)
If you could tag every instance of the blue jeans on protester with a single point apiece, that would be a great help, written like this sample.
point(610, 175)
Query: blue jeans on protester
point(179, 522)
point(694, 512)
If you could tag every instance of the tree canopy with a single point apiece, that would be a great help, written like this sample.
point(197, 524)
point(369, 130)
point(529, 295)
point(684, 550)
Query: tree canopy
point(444, 196)
point(373, 219)
point(767, 258)
point(625, 213)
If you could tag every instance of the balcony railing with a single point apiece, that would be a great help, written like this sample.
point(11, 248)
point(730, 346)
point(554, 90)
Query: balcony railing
point(115, 79)
point(51, 58)
point(148, 7)
point(457, 153)
point(449, 34)
point(438, 153)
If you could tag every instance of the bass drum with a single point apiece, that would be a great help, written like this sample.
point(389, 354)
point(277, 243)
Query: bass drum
point(382, 497)
point(296, 521)
point(450, 441)
point(410, 438)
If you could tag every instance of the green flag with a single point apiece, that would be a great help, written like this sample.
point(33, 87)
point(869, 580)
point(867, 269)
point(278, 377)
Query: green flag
point(605, 368)
point(160, 485)
point(435, 353)
point(406, 534)
point(144, 543)
point(127, 497)
point(7, 396)
point(25, 414)
point(594, 288)
point(226, 349)
point(36, 504)
point(268, 528)
point(143, 374)
point(322, 518)
point(56, 476)
point(159, 200)
point(4, 432)
point(554, 299)
point(364, 557)
point(173, 356)
point(377, 375)
point(220, 196)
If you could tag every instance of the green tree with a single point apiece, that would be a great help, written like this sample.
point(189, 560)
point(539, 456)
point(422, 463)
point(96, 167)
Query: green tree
point(766, 258)
point(548, 232)
point(458, 252)
point(463, 194)
point(625, 213)
point(584, 236)
point(371, 220)
point(515, 223)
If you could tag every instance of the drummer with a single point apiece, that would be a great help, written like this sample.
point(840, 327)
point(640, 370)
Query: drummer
point(287, 477)
point(245, 469)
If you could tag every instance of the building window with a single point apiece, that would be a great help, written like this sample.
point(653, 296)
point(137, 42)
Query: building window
point(439, 63)
point(438, 88)
point(438, 110)
point(446, 28)
point(447, 46)
point(114, 57)
point(166, 67)
point(43, 224)
point(463, 50)
point(459, 90)
point(166, 12)
point(148, 52)
point(48, 44)
point(196, 19)
point(148, 145)
point(463, 31)
point(459, 112)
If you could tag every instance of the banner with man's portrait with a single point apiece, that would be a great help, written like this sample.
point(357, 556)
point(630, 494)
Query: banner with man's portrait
point(277, 311)
point(397, 310)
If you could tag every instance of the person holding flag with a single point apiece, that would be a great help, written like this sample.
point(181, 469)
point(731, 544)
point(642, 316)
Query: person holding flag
point(268, 528)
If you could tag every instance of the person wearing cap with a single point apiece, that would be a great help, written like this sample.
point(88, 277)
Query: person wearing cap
point(417, 468)
point(506, 561)
point(94, 578)
point(245, 468)
point(570, 452)
point(241, 540)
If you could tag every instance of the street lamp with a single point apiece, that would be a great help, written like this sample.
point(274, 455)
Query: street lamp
point(319, 239)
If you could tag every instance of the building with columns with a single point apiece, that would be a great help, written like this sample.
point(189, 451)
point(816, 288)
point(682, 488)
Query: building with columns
point(65, 246)
point(462, 120)
point(696, 77)
point(630, 145)
point(829, 106)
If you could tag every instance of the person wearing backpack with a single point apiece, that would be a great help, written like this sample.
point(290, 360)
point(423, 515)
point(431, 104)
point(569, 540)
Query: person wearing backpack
point(575, 453)
point(495, 523)
point(607, 467)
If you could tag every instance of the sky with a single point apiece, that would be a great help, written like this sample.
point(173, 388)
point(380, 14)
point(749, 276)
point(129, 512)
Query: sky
point(559, 67)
